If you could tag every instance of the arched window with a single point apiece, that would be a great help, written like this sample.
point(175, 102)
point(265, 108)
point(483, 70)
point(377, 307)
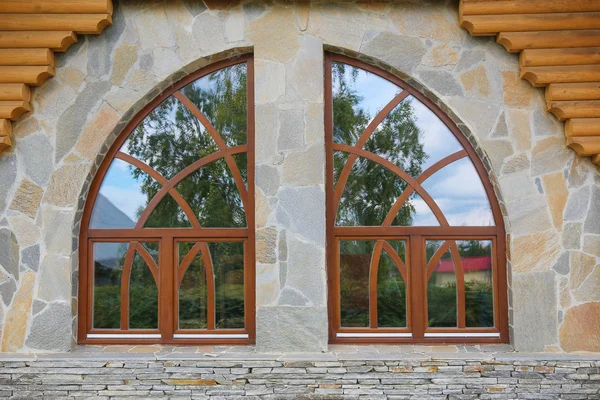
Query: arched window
point(167, 238)
point(415, 235)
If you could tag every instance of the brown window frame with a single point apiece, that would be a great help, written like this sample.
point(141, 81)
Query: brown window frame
point(168, 237)
point(415, 237)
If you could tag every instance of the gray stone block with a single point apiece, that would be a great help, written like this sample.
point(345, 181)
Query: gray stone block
point(51, 329)
point(35, 153)
point(30, 257)
point(592, 222)
point(9, 252)
point(403, 52)
point(8, 166)
point(535, 311)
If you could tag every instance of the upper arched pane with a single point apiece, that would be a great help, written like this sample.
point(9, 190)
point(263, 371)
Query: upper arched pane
point(185, 163)
point(395, 161)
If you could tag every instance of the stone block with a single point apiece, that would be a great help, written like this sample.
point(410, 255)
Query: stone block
point(124, 58)
point(592, 222)
point(301, 211)
point(57, 231)
point(291, 129)
point(154, 29)
point(55, 279)
point(571, 236)
point(305, 168)
point(8, 166)
point(285, 328)
point(272, 35)
point(536, 252)
point(535, 311)
point(442, 82)
point(555, 187)
point(267, 179)
point(549, 155)
point(96, 131)
point(9, 252)
point(270, 80)
point(58, 315)
point(17, 317)
point(27, 232)
point(35, 153)
point(591, 245)
point(403, 52)
point(65, 185)
point(580, 330)
point(578, 204)
point(306, 270)
point(27, 198)
point(7, 290)
point(30, 257)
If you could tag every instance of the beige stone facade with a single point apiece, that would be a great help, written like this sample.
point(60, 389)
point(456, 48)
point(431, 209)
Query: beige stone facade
point(549, 196)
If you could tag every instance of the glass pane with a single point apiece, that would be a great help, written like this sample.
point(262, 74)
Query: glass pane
point(476, 259)
point(167, 214)
point(398, 140)
point(358, 96)
point(459, 193)
point(123, 196)
point(169, 139)
point(391, 289)
point(441, 289)
point(213, 196)
point(192, 292)
point(355, 264)
point(415, 212)
point(435, 139)
point(143, 296)
point(228, 264)
point(222, 98)
point(369, 194)
point(108, 269)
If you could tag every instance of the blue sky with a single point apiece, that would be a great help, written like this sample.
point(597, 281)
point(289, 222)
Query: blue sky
point(456, 188)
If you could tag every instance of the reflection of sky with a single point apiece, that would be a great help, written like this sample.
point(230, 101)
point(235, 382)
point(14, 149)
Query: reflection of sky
point(119, 185)
point(457, 189)
point(122, 189)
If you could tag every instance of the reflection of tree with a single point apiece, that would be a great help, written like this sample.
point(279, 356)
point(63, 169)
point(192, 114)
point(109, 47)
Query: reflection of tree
point(170, 138)
point(371, 189)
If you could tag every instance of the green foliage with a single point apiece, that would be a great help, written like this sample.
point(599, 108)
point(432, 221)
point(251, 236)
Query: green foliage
point(170, 138)
point(441, 301)
point(371, 189)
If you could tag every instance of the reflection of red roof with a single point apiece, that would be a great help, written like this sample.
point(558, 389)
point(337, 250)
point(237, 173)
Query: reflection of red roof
point(470, 264)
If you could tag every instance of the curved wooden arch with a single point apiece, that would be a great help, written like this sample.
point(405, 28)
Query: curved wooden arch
point(166, 274)
point(415, 236)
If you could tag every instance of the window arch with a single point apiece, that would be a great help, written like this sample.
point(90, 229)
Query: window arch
point(415, 235)
point(167, 237)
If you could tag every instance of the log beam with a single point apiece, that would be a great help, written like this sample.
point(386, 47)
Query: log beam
point(517, 41)
point(548, 57)
point(495, 7)
point(56, 6)
point(26, 57)
point(13, 109)
point(5, 133)
point(58, 41)
point(80, 23)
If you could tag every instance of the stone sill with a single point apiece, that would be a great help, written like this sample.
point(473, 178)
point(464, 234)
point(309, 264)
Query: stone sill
point(335, 353)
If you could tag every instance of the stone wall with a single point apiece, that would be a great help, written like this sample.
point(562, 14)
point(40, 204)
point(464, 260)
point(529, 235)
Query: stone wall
point(550, 197)
point(433, 379)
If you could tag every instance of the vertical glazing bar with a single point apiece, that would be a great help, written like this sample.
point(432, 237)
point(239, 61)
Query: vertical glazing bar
point(168, 256)
point(418, 287)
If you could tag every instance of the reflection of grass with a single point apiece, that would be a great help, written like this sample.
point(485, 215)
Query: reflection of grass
point(143, 307)
point(441, 301)
point(192, 307)
point(391, 304)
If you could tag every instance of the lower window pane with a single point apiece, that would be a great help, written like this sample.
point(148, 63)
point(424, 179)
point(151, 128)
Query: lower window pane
point(108, 270)
point(212, 272)
point(193, 289)
point(391, 287)
point(143, 291)
point(476, 259)
point(355, 261)
point(228, 262)
point(441, 286)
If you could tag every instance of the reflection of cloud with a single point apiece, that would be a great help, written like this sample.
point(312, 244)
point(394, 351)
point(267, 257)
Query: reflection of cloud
point(128, 200)
point(459, 179)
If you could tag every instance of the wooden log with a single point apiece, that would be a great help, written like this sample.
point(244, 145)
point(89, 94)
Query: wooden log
point(542, 76)
point(13, 109)
point(573, 91)
point(582, 127)
point(56, 6)
point(596, 159)
point(575, 109)
point(585, 145)
point(55, 40)
point(490, 7)
point(517, 41)
point(571, 56)
point(26, 57)
point(5, 133)
point(80, 23)
point(32, 75)
point(489, 25)
point(15, 91)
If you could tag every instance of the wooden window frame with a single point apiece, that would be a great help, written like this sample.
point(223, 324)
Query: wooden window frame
point(168, 237)
point(414, 235)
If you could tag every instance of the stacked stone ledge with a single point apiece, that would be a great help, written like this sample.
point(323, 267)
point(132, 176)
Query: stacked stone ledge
point(431, 379)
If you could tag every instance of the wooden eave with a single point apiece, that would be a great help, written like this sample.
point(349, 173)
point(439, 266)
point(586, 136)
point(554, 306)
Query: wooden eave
point(558, 42)
point(31, 31)
point(559, 46)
